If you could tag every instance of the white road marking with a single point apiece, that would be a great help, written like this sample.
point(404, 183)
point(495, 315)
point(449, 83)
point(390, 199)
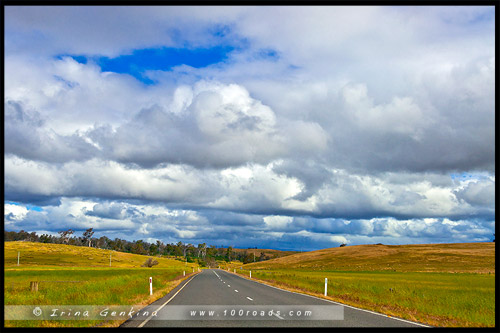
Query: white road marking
point(161, 307)
point(249, 298)
point(235, 290)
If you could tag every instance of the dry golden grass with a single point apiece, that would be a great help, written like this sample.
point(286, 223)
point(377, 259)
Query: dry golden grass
point(125, 282)
point(447, 285)
point(455, 258)
point(59, 255)
point(268, 252)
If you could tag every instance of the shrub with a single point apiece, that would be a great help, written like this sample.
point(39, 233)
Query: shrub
point(150, 262)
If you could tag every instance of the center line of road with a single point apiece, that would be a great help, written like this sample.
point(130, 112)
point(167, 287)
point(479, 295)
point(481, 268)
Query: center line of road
point(249, 298)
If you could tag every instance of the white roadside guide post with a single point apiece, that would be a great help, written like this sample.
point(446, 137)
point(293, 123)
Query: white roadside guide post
point(250, 274)
point(18, 258)
point(326, 283)
point(150, 285)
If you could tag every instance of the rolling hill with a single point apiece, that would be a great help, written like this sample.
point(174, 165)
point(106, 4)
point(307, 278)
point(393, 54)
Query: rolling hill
point(46, 254)
point(455, 257)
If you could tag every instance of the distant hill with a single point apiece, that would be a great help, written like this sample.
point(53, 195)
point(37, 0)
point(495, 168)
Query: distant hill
point(34, 254)
point(267, 252)
point(456, 257)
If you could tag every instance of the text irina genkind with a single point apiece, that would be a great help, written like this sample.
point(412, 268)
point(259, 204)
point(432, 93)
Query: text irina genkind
point(105, 313)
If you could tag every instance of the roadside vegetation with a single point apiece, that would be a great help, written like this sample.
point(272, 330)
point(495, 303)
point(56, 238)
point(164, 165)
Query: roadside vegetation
point(88, 271)
point(448, 285)
point(72, 275)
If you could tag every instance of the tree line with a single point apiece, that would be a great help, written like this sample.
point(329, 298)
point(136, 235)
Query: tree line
point(201, 253)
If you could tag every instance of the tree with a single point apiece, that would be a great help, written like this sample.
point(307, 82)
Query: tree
point(22, 235)
point(229, 253)
point(182, 248)
point(160, 246)
point(153, 249)
point(103, 242)
point(263, 256)
point(138, 247)
point(65, 235)
point(212, 251)
point(33, 237)
point(46, 239)
point(117, 245)
point(169, 249)
point(211, 262)
point(247, 257)
point(202, 249)
point(87, 236)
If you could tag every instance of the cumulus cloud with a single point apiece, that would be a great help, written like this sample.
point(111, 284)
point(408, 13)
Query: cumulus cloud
point(328, 125)
point(108, 210)
point(208, 125)
point(26, 137)
point(479, 193)
point(252, 189)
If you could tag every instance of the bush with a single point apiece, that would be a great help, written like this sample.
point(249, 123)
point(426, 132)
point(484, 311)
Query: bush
point(150, 262)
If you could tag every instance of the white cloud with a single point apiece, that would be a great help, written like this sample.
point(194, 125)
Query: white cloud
point(277, 222)
point(355, 116)
point(16, 212)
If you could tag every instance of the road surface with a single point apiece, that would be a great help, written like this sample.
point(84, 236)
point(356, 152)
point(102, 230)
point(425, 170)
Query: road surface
point(217, 298)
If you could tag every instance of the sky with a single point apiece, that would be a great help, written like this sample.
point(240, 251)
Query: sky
point(284, 127)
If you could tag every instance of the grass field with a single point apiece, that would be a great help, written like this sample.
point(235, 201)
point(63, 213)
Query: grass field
point(450, 285)
point(71, 275)
point(453, 258)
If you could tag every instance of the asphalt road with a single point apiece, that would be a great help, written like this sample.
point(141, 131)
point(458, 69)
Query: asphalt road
point(217, 298)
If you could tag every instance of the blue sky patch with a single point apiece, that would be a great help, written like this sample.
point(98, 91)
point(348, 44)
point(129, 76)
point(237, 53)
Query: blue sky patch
point(468, 176)
point(163, 58)
point(28, 207)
